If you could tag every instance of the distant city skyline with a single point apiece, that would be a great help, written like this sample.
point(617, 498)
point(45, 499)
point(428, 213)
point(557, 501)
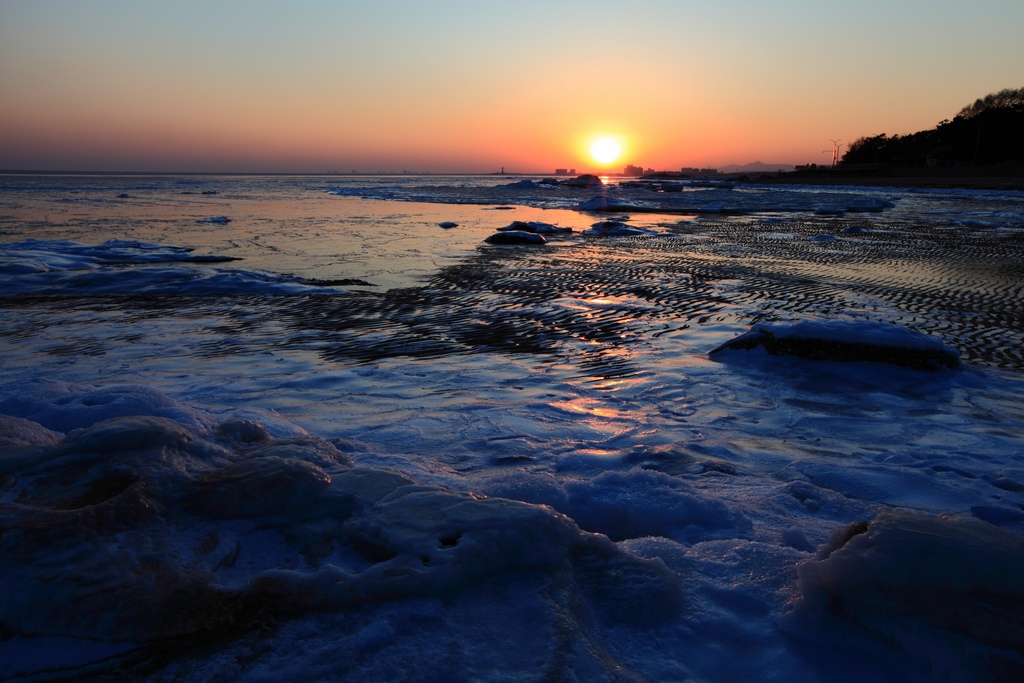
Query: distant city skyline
point(318, 86)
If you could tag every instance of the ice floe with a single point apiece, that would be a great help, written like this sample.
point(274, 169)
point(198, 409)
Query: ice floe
point(120, 267)
point(71, 255)
point(617, 229)
point(628, 196)
point(946, 590)
point(847, 340)
point(139, 530)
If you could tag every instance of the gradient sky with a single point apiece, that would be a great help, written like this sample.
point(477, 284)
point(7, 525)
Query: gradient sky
point(313, 86)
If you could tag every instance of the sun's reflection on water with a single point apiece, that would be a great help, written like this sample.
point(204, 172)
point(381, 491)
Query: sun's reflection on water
point(589, 406)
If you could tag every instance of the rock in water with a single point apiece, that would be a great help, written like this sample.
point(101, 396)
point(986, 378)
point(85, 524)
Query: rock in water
point(847, 340)
point(615, 229)
point(515, 237)
point(585, 180)
point(535, 227)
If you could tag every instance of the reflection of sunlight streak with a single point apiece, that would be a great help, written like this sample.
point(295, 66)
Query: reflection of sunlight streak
point(589, 406)
point(598, 453)
point(615, 353)
point(601, 303)
point(617, 384)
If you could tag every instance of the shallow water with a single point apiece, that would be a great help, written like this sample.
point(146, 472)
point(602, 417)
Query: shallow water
point(574, 375)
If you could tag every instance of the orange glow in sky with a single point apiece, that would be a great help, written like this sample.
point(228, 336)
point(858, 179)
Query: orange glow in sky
point(453, 86)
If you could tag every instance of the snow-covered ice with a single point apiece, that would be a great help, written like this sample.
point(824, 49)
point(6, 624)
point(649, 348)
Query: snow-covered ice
point(371, 449)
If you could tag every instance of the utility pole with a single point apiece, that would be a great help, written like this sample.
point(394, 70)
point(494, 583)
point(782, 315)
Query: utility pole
point(835, 151)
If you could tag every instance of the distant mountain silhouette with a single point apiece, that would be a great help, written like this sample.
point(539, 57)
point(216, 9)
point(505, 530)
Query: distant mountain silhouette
point(989, 131)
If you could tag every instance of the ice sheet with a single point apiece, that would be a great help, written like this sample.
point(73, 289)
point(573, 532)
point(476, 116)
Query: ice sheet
point(501, 463)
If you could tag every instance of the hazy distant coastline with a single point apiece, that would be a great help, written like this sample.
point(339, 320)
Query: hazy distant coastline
point(1006, 177)
point(977, 177)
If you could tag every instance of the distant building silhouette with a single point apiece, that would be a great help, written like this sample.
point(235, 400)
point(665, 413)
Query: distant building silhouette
point(701, 172)
point(565, 171)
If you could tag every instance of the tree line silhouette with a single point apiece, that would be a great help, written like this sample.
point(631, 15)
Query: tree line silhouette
point(989, 131)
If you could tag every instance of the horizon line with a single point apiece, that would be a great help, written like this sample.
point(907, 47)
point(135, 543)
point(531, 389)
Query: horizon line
point(16, 171)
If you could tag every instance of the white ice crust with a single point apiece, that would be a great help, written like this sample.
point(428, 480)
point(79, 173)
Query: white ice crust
point(119, 267)
point(138, 529)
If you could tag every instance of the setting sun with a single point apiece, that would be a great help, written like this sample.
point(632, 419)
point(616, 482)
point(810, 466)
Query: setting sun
point(605, 150)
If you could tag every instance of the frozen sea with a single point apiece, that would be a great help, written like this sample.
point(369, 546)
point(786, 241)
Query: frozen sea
point(263, 428)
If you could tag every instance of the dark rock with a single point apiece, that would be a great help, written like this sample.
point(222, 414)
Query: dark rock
point(448, 224)
point(615, 229)
point(586, 180)
point(515, 237)
point(534, 227)
point(608, 225)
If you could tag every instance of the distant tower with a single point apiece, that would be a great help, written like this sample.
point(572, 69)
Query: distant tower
point(835, 151)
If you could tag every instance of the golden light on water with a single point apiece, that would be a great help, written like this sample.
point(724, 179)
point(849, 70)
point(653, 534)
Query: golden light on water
point(590, 407)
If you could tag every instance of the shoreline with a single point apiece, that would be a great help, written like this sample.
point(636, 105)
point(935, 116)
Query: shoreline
point(983, 178)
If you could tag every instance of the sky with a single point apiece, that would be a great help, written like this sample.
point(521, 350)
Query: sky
point(474, 86)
